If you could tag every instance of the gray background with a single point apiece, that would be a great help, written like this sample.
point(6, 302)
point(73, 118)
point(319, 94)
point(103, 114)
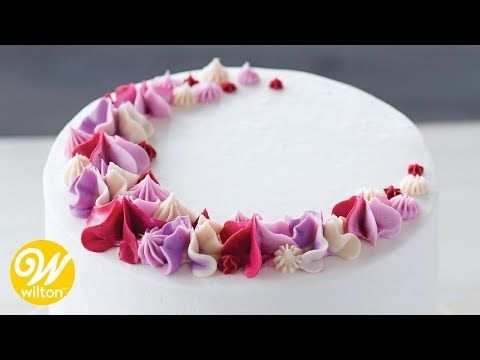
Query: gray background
point(43, 87)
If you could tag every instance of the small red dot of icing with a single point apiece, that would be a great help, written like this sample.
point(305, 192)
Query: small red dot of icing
point(276, 84)
point(392, 191)
point(415, 169)
point(191, 80)
point(228, 87)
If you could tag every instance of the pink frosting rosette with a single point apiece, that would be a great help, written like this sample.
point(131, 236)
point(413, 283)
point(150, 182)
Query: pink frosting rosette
point(152, 101)
point(248, 76)
point(369, 219)
point(148, 194)
point(102, 148)
point(207, 92)
point(305, 232)
point(166, 247)
point(406, 205)
point(101, 119)
point(165, 84)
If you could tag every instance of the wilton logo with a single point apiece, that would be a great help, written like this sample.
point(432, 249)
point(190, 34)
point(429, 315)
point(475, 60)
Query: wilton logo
point(42, 272)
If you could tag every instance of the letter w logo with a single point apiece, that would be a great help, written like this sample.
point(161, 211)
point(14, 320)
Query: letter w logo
point(35, 261)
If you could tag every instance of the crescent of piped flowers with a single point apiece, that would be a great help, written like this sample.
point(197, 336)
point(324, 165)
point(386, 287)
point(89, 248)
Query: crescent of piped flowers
point(110, 180)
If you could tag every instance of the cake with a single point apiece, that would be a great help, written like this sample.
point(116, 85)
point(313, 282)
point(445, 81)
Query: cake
point(243, 190)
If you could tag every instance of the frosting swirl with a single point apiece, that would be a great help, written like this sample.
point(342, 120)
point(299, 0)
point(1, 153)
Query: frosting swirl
point(74, 168)
point(214, 72)
point(119, 180)
point(288, 259)
point(166, 83)
point(184, 96)
point(132, 125)
point(102, 148)
point(407, 206)
point(117, 223)
point(207, 233)
point(347, 246)
point(149, 190)
point(101, 119)
point(172, 208)
point(89, 190)
point(248, 76)
point(203, 265)
point(368, 220)
point(240, 247)
point(165, 247)
point(125, 93)
point(299, 232)
point(75, 138)
point(414, 185)
point(152, 102)
point(207, 92)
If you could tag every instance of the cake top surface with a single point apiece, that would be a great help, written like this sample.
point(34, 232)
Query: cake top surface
point(307, 147)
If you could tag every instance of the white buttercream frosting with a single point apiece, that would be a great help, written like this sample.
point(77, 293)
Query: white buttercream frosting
point(184, 96)
point(288, 258)
point(347, 246)
point(214, 72)
point(172, 208)
point(119, 180)
point(414, 185)
point(208, 263)
point(369, 192)
point(207, 234)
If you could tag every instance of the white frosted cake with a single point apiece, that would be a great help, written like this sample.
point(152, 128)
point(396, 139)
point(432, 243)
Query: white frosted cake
point(320, 199)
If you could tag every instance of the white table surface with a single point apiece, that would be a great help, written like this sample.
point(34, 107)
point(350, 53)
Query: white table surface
point(455, 148)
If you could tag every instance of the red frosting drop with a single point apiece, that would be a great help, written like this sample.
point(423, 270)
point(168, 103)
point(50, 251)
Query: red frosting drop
point(152, 153)
point(415, 169)
point(240, 239)
point(149, 172)
point(228, 87)
point(204, 213)
point(392, 191)
point(191, 80)
point(86, 148)
point(276, 84)
point(118, 223)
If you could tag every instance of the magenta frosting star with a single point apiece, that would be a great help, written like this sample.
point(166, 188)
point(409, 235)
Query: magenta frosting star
point(148, 195)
